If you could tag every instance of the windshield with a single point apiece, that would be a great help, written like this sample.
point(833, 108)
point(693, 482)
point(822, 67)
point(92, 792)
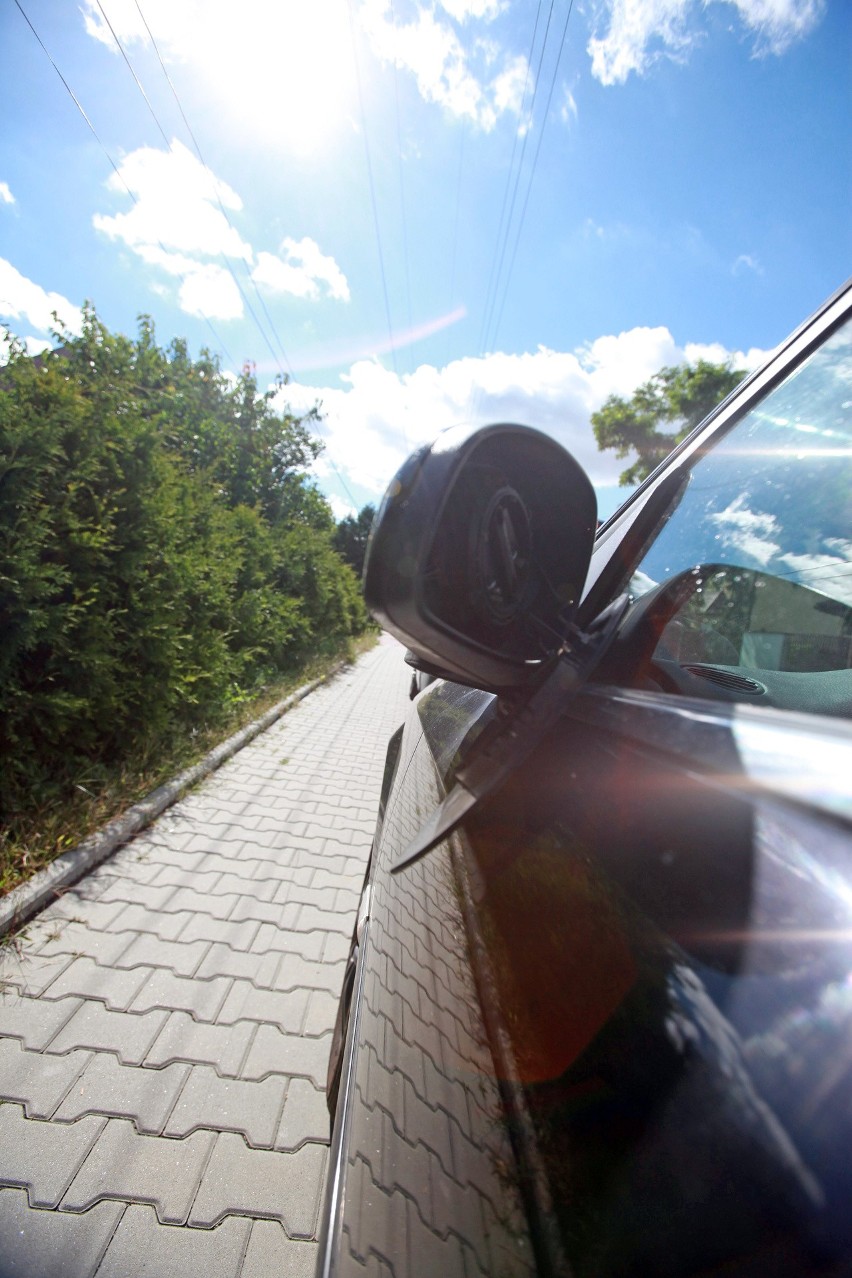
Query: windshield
point(754, 568)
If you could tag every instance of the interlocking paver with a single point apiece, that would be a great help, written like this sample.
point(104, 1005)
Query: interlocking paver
point(202, 999)
point(84, 978)
point(322, 1009)
point(305, 1115)
point(34, 1021)
point(238, 934)
point(182, 958)
point(96, 1027)
point(273, 1052)
point(142, 1246)
point(61, 937)
point(309, 945)
point(138, 918)
point(125, 890)
point(165, 1107)
point(47, 1155)
point(270, 1252)
point(107, 1087)
point(225, 1104)
point(247, 1003)
point(18, 970)
point(143, 1169)
point(196, 901)
point(183, 1039)
point(221, 960)
point(256, 1182)
point(53, 1244)
point(294, 973)
point(37, 1080)
point(282, 914)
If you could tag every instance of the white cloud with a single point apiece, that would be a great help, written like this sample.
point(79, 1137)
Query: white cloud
point(21, 298)
point(447, 72)
point(32, 345)
point(508, 87)
point(746, 262)
point(716, 353)
point(339, 508)
point(779, 23)
point(209, 292)
point(376, 417)
point(301, 270)
point(638, 32)
point(38, 345)
point(637, 29)
point(206, 290)
point(177, 226)
point(6, 196)
point(748, 532)
point(462, 10)
point(568, 111)
point(830, 573)
point(176, 205)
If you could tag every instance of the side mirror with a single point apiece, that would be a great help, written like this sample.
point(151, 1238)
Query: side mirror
point(479, 553)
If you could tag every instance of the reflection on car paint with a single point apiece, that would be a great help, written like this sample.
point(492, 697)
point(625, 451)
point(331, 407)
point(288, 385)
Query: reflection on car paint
point(430, 1164)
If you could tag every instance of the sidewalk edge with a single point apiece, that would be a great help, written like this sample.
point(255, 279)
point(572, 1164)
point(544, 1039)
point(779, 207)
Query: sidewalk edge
point(46, 885)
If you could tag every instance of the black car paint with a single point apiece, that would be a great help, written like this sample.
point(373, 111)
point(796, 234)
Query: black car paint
point(607, 1029)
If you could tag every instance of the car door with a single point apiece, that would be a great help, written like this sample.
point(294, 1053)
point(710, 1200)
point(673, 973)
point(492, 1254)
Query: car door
point(665, 887)
point(605, 1028)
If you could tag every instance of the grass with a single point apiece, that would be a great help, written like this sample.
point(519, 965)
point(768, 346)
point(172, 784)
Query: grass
point(41, 835)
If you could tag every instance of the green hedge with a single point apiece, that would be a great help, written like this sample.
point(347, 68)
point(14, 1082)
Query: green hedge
point(163, 553)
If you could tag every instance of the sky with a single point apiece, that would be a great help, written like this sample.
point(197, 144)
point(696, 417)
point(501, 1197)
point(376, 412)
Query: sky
point(424, 212)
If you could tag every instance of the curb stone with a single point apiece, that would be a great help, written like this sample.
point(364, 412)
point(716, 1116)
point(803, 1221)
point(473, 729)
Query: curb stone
point(28, 898)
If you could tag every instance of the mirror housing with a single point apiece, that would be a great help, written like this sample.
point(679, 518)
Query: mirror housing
point(479, 553)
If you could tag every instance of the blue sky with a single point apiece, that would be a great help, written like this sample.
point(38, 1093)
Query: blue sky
point(437, 212)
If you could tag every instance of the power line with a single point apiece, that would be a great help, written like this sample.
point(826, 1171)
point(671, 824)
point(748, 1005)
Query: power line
point(165, 138)
point(372, 187)
point(224, 213)
point(401, 182)
point(513, 178)
point(456, 229)
point(214, 184)
point(533, 170)
point(120, 176)
point(113, 164)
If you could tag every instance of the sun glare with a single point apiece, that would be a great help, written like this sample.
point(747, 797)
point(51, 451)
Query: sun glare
point(284, 72)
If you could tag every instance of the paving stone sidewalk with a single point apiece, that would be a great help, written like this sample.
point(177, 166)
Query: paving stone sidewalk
point(164, 1027)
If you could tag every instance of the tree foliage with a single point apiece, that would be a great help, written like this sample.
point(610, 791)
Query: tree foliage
point(661, 413)
point(352, 535)
point(163, 552)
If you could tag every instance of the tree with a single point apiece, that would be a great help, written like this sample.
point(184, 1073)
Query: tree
point(163, 553)
point(350, 539)
point(661, 413)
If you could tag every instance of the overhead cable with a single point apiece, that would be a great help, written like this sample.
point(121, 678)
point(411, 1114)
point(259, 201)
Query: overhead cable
point(533, 170)
point(372, 186)
point(275, 358)
point(113, 164)
point(405, 256)
point(513, 178)
point(224, 213)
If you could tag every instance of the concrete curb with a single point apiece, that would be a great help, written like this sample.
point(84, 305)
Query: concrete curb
point(28, 898)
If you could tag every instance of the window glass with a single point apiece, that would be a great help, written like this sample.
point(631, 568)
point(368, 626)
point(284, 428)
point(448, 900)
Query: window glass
point(753, 571)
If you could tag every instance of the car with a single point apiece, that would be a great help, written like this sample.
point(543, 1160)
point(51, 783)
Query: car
point(597, 1014)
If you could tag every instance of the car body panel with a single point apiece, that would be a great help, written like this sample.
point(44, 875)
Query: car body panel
point(423, 1152)
point(624, 987)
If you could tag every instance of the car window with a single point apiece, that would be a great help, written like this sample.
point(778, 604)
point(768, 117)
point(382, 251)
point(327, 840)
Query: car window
point(750, 580)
